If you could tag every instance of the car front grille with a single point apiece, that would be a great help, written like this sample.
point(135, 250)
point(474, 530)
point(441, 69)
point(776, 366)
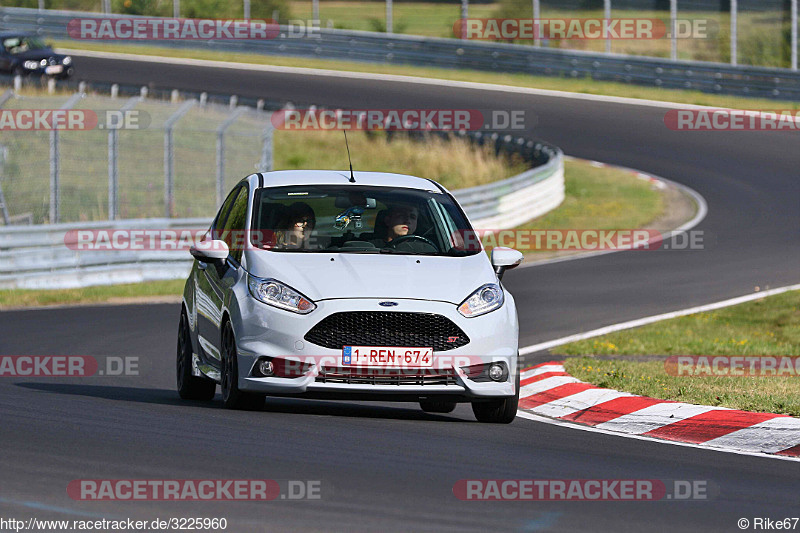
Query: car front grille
point(398, 377)
point(382, 328)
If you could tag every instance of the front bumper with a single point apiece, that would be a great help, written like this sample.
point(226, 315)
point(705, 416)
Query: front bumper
point(265, 331)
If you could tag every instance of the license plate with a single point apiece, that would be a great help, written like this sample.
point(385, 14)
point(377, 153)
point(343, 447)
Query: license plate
point(387, 356)
point(54, 69)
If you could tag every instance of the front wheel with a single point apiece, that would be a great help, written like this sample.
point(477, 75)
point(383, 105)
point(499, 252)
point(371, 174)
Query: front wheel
point(498, 411)
point(190, 387)
point(232, 397)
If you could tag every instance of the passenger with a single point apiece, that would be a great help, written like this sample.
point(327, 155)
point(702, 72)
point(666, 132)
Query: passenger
point(297, 227)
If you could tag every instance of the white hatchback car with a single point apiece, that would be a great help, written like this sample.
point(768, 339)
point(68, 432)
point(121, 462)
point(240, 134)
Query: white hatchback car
point(321, 284)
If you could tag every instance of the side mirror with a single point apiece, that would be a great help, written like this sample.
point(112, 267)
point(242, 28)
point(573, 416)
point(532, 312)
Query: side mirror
point(213, 251)
point(505, 259)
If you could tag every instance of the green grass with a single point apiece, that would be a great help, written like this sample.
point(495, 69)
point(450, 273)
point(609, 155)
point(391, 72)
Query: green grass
point(12, 298)
point(596, 198)
point(770, 326)
point(602, 198)
point(575, 85)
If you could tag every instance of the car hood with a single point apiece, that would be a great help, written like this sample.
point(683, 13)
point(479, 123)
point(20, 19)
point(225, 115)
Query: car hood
point(325, 276)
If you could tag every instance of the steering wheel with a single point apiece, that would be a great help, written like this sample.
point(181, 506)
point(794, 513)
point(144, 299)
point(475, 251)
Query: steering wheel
point(405, 238)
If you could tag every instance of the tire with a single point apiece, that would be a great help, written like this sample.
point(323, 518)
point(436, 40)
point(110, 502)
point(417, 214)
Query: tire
point(190, 387)
point(437, 406)
point(498, 411)
point(232, 397)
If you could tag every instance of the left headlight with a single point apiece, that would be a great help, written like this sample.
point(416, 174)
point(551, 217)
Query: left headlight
point(484, 300)
point(277, 294)
point(67, 60)
point(31, 65)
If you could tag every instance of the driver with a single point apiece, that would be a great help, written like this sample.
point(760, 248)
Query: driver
point(400, 220)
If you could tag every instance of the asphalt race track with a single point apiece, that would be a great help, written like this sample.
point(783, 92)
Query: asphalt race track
point(391, 466)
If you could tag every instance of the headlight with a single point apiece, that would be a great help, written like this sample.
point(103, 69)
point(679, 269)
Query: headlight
point(31, 65)
point(67, 60)
point(275, 293)
point(484, 300)
point(43, 62)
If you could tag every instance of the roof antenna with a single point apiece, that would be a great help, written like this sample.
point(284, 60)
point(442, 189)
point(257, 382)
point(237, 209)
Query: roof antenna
point(352, 178)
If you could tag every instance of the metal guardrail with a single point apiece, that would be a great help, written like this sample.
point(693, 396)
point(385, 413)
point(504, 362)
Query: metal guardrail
point(38, 257)
point(775, 83)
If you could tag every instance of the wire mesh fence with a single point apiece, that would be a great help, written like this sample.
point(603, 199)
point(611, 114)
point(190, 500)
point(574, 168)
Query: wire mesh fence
point(124, 158)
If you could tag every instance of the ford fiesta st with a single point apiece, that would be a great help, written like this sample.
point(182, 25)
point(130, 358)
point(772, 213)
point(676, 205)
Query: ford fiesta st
point(325, 284)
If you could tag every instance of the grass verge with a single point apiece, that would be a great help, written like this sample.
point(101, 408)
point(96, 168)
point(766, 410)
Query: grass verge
point(605, 198)
point(13, 298)
point(576, 85)
point(764, 327)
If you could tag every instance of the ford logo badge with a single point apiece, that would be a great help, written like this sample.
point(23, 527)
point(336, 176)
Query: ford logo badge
point(387, 304)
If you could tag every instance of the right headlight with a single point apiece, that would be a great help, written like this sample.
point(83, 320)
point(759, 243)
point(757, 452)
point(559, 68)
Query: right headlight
point(484, 300)
point(277, 294)
point(31, 65)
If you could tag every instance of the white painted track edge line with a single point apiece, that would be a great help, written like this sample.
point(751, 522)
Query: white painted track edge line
point(387, 77)
point(655, 318)
point(563, 423)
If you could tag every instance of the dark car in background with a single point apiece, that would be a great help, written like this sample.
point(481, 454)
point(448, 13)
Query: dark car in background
point(22, 53)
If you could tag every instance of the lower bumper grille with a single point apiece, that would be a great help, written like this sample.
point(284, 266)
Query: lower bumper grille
point(384, 377)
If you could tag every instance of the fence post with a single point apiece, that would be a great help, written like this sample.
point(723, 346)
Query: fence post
point(389, 16)
point(221, 152)
point(169, 157)
point(176, 8)
point(673, 29)
point(794, 34)
point(537, 39)
point(55, 166)
point(246, 9)
point(314, 10)
point(734, 32)
point(607, 16)
point(113, 171)
point(3, 205)
point(266, 163)
point(3, 155)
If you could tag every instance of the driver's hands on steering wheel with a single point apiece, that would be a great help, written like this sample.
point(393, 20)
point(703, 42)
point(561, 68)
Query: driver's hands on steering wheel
point(409, 238)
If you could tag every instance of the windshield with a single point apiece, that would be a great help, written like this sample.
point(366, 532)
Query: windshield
point(359, 219)
point(20, 45)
